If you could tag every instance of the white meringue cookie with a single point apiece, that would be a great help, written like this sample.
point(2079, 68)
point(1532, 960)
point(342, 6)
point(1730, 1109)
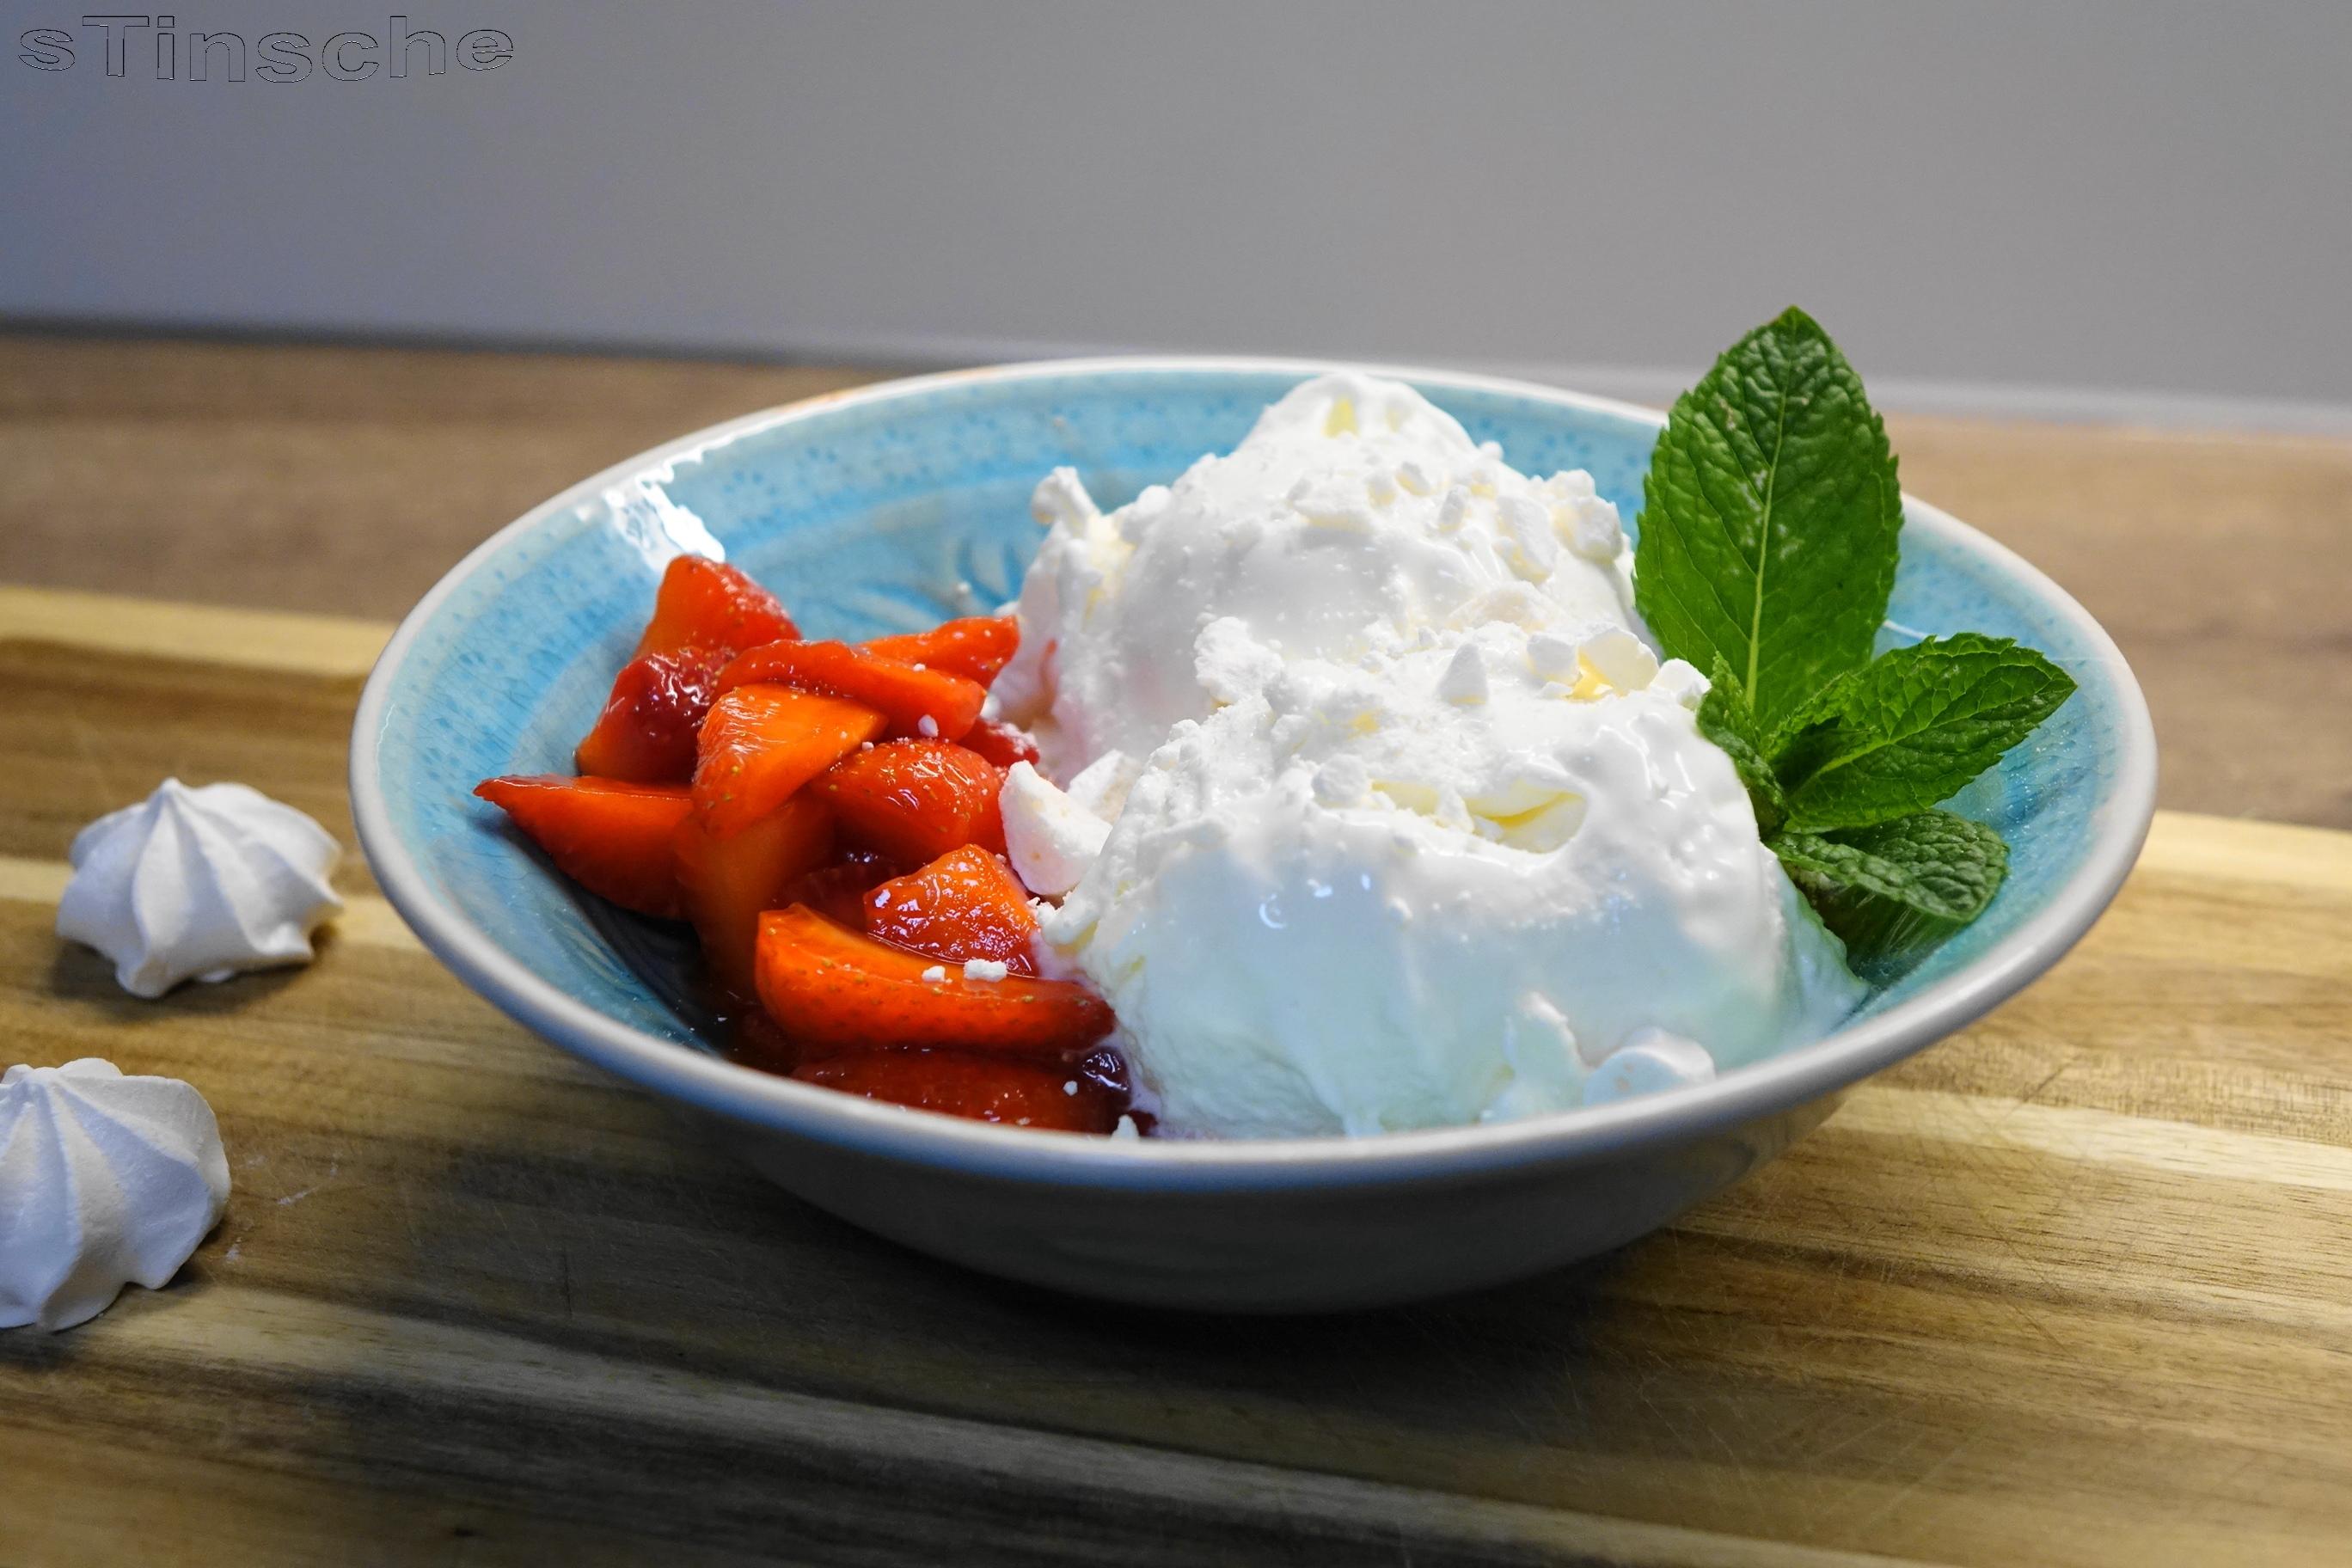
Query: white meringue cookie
point(104, 1181)
point(202, 882)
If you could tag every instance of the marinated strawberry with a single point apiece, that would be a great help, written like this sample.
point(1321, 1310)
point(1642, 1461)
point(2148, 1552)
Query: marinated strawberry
point(838, 889)
point(915, 800)
point(976, 646)
point(930, 702)
point(611, 837)
point(1001, 743)
point(984, 1089)
point(965, 904)
point(1109, 1068)
point(650, 722)
point(707, 604)
point(734, 779)
point(761, 743)
point(726, 884)
point(832, 989)
point(753, 1039)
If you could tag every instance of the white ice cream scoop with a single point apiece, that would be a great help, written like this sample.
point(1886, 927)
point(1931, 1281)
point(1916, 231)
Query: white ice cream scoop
point(1424, 829)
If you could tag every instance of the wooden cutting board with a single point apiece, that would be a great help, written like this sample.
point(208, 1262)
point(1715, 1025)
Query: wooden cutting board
point(2075, 1287)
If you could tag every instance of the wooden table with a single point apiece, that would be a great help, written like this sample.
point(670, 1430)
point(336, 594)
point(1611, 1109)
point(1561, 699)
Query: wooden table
point(2073, 1287)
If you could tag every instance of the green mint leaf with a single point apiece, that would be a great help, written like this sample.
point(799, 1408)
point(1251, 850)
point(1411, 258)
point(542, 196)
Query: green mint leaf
point(1897, 884)
point(1769, 519)
point(1725, 718)
point(1911, 729)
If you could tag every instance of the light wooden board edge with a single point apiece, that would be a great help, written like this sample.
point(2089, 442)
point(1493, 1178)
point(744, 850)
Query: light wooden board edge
point(326, 646)
point(365, 918)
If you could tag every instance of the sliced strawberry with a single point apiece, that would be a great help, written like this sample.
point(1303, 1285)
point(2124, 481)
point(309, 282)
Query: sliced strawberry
point(839, 888)
point(831, 989)
point(965, 904)
point(977, 645)
point(984, 1089)
point(707, 604)
point(915, 800)
point(762, 743)
point(1002, 744)
point(909, 697)
point(726, 884)
point(611, 837)
point(647, 729)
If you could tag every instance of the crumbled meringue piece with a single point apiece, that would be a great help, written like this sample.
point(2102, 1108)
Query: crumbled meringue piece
point(1680, 681)
point(1650, 1060)
point(1464, 681)
point(1050, 839)
point(1102, 785)
point(1553, 656)
point(1622, 659)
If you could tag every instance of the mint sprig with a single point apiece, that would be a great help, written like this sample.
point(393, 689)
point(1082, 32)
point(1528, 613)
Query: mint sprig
point(1769, 519)
point(1911, 728)
point(1767, 551)
point(1725, 718)
point(1899, 883)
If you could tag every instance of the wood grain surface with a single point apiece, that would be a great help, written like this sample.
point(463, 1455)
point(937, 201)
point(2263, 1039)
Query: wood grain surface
point(2073, 1287)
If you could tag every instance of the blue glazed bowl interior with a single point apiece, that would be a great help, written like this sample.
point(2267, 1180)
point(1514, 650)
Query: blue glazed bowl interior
point(882, 514)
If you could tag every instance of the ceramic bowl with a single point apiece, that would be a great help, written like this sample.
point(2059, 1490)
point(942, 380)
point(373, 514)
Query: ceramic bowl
point(885, 509)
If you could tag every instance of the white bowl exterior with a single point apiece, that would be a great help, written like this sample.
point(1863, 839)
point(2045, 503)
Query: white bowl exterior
point(1282, 1249)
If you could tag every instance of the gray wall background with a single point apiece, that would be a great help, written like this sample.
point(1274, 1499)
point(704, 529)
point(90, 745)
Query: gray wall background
point(2094, 206)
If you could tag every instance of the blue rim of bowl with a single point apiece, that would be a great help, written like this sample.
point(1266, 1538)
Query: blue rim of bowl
point(712, 1084)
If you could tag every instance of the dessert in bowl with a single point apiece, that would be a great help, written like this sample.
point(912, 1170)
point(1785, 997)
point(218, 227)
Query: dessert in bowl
point(1285, 750)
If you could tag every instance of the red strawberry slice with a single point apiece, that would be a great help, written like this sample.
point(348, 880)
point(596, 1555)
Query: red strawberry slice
point(838, 889)
point(930, 702)
point(1001, 743)
point(707, 604)
point(965, 904)
point(762, 743)
point(727, 884)
point(915, 800)
point(982, 1088)
point(611, 837)
point(647, 729)
point(976, 646)
point(832, 989)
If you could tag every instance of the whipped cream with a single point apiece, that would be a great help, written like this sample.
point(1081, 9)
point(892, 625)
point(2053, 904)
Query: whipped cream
point(198, 882)
point(104, 1181)
point(1424, 833)
point(1354, 503)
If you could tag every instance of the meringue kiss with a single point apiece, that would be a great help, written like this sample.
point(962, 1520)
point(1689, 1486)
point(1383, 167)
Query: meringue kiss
point(104, 1181)
point(203, 882)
